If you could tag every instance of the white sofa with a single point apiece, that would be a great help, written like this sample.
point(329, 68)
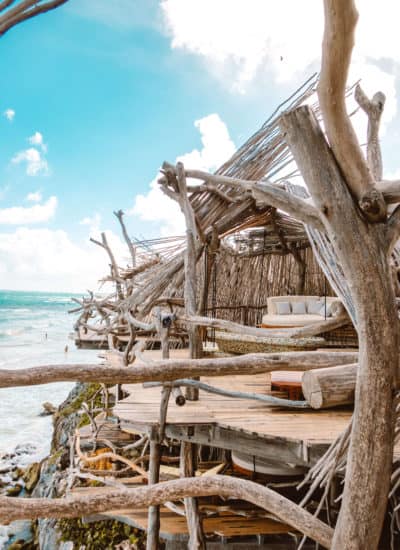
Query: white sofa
point(273, 319)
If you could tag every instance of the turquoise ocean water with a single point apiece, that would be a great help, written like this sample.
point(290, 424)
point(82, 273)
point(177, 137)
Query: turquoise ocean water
point(34, 330)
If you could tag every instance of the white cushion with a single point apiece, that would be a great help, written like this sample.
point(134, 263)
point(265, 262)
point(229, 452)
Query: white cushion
point(290, 320)
point(314, 307)
point(283, 308)
point(328, 311)
point(299, 308)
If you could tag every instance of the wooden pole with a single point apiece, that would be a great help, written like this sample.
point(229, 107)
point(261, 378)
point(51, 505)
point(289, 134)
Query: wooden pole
point(192, 241)
point(163, 323)
point(188, 468)
point(153, 527)
point(196, 535)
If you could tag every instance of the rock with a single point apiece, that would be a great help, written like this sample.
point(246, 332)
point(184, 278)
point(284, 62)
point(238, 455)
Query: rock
point(48, 409)
point(17, 473)
point(21, 535)
point(14, 490)
point(24, 449)
point(31, 475)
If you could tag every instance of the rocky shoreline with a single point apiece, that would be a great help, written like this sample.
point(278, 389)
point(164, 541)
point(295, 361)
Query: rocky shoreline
point(48, 478)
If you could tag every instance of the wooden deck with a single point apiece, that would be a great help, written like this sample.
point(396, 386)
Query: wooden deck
point(298, 437)
point(294, 436)
point(89, 340)
point(174, 526)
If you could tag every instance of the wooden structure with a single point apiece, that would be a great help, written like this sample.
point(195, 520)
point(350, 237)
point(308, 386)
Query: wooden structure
point(246, 250)
point(238, 252)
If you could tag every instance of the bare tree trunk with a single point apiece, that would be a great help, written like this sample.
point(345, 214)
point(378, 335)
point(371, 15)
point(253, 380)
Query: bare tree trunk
point(363, 251)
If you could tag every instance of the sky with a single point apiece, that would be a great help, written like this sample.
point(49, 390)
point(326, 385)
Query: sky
point(97, 94)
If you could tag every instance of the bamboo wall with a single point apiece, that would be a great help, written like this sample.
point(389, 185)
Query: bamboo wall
point(239, 287)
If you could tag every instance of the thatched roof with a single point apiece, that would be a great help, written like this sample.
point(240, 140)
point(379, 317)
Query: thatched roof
point(265, 155)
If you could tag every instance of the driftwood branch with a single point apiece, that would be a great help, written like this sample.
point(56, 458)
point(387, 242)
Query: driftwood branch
point(14, 508)
point(340, 22)
point(390, 190)
point(114, 266)
point(25, 9)
point(265, 193)
point(172, 369)
point(190, 261)
point(321, 327)
point(373, 109)
point(393, 228)
point(119, 214)
point(267, 399)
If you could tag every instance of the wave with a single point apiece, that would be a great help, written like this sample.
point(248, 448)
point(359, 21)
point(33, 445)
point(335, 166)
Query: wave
point(15, 310)
point(12, 332)
point(58, 300)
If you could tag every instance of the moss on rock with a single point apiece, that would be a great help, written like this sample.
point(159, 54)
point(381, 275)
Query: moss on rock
point(99, 534)
point(83, 396)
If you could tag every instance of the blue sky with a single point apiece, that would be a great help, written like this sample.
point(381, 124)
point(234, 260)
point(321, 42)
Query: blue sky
point(96, 94)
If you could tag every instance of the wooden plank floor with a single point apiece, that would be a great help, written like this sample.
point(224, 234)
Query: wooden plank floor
point(308, 427)
point(142, 408)
point(107, 431)
point(226, 524)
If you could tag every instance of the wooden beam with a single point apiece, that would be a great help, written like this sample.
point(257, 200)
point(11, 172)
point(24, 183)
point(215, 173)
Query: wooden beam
point(173, 369)
point(332, 387)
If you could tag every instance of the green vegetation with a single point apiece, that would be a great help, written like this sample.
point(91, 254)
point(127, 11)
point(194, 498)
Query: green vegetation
point(99, 534)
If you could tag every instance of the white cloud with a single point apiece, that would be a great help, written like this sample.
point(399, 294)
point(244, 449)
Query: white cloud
point(242, 38)
point(93, 222)
point(217, 148)
point(9, 114)
point(249, 41)
point(43, 259)
point(35, 163)
point(37, 140)
point(244, 35)
point(20, 215)
point(35, 196)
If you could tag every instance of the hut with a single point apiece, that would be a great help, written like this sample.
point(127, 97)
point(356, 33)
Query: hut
point(270, 419)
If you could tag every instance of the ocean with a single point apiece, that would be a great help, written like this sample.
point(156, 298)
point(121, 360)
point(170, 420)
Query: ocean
point(34, 330)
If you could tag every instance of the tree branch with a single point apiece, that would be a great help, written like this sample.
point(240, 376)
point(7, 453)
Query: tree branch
point(119, 214)
point(24, 11)
point(340, 22)
point(172, 369)
point(285, 510)
point(374, 109)
point(390, 190)
point(267, 194)
point(393, 229)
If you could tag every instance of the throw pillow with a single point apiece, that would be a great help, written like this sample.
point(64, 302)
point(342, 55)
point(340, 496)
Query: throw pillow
point(283, 308)
point(299, 308)
point(314, 307)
